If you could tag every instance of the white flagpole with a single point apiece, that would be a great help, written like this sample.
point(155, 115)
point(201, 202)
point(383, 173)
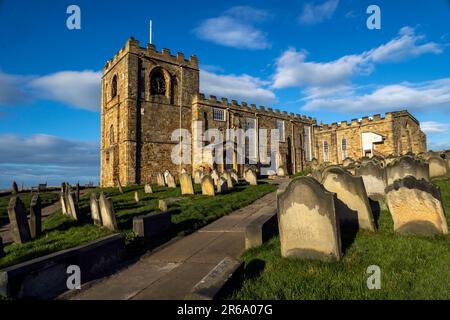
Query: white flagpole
point(150, 31)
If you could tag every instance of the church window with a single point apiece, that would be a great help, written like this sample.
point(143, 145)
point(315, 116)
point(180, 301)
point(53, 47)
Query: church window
point(114, 87)
point(158, 84)
point(325, 151)
point(218, 114)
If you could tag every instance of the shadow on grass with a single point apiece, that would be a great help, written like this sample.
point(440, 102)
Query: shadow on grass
point(376, 211)
point(254, 269)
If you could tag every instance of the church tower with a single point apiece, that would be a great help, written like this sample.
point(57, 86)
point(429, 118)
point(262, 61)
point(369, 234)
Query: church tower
point(146, 95)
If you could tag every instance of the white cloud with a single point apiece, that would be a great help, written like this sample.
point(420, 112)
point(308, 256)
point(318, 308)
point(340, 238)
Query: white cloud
point(235, 28)
point(434, 127)
point(78, 89)
point(412, 96)
point(313, 14)
point(240, 87)
point(292, 69)
point(42, 157)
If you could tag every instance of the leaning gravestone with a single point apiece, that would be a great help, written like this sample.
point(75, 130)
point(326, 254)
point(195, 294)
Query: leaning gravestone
point(281, 172)
point(119, 185)
point(407, 166)
point(62, 198)
point(14, 188)
point(222, 185)
point(2, 251)
point(160, 180)
point(19, 228)
point(250, 177)
point(348, 162)
point(215, 177)
point(107, 212)
point(162, 205)
point(208, 186)
point(148, 189)
point(95, 210)
point(234, 176)
point(227, 176)
point(416, 207)
point(136, 197)
point(374, 177)
point(438, 167)
point(186, 184)
point(307, 221)
point(35, 217)
point(353, 207)
point(72, 206)
point(170, 181)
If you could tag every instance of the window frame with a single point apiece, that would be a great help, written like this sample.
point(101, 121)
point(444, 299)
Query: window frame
point(216, 111)
point(282, 133)
point(326, 156)
point(344, 150)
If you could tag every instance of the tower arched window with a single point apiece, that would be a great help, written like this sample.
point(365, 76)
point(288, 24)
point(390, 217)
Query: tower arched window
point(158, 84)
point(114, 87)
point(325, 151)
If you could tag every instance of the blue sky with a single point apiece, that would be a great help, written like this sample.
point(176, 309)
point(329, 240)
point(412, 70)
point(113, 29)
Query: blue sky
point(310, 57)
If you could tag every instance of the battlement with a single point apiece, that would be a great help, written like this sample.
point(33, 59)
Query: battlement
point(244, 106)
point(133, 46)
point(358, 122)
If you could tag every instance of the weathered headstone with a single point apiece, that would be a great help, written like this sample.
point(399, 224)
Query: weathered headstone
point(407, 166)
point(95, 210)
point(72, 206)
point(198, 177)
point(208, 186)
point(162, 205)
point(148, 189)
point(374, 177)
point(170, 181)
point(250, 177)
point(166, 173)
point(227, 176)
point(152, 226)
point(119, 185)
point(353, 206)
point(107, 212)
point(19, 228)
point(215, 177)
point(136, 197)
point(416, 207)
point(307, 221)
point(160, 179)
point(62, 198)
point(234, 176)
point(14, 188)
point(281, 172)
point(2, 251)
point(348, 162)
point(35, 217)
point(222, 185)
point(438, 167)
point(186, 184)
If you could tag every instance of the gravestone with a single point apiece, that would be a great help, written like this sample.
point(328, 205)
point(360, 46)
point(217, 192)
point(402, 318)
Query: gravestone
point(166, 173)
point(107, 212)
point(19, 228)
point(314, 164)
point(62, 198)
point(208, 186)
point(234, 176)
point(348, 162)
point(250, 177)
point(162, 205)
point(2, 251)
point(170, 181)
point(119, 185)
point(198, 177)
point(160, 180)
point(136, 197)
point(35, 217)
point(416, 207)
point(186, 184)
point(227, 176)
point(307, 221)
point(353, 206)
point(222, 185)
point(438, 167)
point(95, 210)
point(407, 166)
point(72, 206)
point(148, 189)
point(281, 172)
point(374, 177)
point(14, 188)
point(152, 226)
point(77, 194)
point(215, 177)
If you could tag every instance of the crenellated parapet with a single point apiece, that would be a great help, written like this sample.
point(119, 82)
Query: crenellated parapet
point(357, 122)
point(133, 46)
point(224, 103)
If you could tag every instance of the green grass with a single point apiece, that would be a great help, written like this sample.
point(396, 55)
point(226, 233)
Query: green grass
point(188, 214)
point(47, 198)
point(412, 267)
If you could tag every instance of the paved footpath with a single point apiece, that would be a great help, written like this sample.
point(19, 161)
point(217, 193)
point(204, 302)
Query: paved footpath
point(171, 271)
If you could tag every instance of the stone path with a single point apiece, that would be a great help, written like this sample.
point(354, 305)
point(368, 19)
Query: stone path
point(4, 230)
point(171, 271)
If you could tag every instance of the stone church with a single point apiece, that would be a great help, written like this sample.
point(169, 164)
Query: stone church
point(147, 94)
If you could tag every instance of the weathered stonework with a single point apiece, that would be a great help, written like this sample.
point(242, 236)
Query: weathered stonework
point(147, 94)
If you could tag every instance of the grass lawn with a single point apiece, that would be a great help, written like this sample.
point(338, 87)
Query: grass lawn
point(47, 198)
point(188, 214)
point(412, 267)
